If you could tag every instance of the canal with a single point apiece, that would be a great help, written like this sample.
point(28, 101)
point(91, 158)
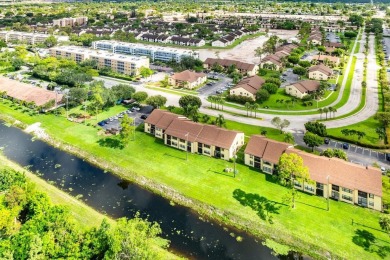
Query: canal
point(190, 235)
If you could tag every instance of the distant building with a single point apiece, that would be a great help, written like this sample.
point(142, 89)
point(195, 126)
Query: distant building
point(29, 38)
point(243, 67)
point(154, 52)
point(187, 79)
point(125, 64)
point(78, 21)
point(327, 60)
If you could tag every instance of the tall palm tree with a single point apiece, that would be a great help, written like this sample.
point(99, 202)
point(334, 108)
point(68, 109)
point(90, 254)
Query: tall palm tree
point(212, 99)
point(254, 107)
point(326, 110)
point(320, 111)
point(247, 106)
point(222, 102)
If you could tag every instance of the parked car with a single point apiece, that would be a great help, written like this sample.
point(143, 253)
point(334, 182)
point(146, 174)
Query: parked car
point(326, 140)
point(388, 156)
point(101, 123)
point(346, 146)
point(144, 117)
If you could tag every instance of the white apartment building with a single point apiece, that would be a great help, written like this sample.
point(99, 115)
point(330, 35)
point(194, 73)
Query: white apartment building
point(154, 52)
point(29, 38)
point(78, 21)
point(125, 64)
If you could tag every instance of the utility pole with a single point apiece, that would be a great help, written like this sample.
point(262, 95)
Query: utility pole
point(327, 187)
point(187, 146)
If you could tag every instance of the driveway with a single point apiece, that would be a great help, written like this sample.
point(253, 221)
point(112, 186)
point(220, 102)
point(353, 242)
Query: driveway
point(332, 37)
point(289, 77)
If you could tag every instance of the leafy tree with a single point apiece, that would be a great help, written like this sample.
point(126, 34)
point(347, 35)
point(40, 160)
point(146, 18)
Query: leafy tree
point(356, 19)
point(156, 101)
point(289, 138)
point(17, 63)
point(293, 59)
point(9, 178)
point(145, 72)
point(127, 128)
point(312, 140)
point(76, 96)
point(384, 223)
point(279, 123)
point(350, 34)
point(190, 100)
point(299, 70)
point(262, 95)
point(274, 80)
point(123, 91)
point(164, 83)
point(140, 96)
point(259, 51)
point(270, 87)
point(291, 168)
point(3, 44)
point(316, 128)
point(50, 41)
point(381, 132)
point(384, 118)
point(304, 63)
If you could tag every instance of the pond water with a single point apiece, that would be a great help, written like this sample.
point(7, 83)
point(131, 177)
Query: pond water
point(190, 235)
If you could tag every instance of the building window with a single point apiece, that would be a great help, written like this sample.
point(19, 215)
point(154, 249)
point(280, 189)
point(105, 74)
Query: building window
point(335, 187)
point(346, 197)
point(371, 204)
point(347, 190)
point(371, 196)
point(309, 188)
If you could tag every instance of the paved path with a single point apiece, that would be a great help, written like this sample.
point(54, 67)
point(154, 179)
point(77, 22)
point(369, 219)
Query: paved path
point(371, 106)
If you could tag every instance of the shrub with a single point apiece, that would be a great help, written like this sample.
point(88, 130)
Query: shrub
point(238, 99)
point(275, 81)
point(270, 87)
point(262, 95)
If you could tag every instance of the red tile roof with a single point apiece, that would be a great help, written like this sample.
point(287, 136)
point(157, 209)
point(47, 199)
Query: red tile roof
point(265, 148)
point(226, 63)
point(322, 68)
point(251, 84)
point(162, 119)
point(342, 173)
point(27, 92)
point(307, 85)
point(188, 75)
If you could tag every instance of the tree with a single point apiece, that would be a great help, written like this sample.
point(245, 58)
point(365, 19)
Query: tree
point(279, 123)
point(140, 96)
point(145, 72)
point(156, 101)
point(304, 63)
point(312, 140)
point(316, 128)
point(270, 87)
point(3, 44)
point(289, 138)
point(190, 101)
point(164, 83)
point(293, 59)
point(220, 120)
point(123, 91)
point(259, 51)
point(383, 117)
point(325, 110)
point(381, 132)
point(384, 223)
point(290, 169)
point(299, 70)
point(247, 107)
point(76, 96)
point(127, 129)
point(262, 95)
point(50, 41)
point(320, 110)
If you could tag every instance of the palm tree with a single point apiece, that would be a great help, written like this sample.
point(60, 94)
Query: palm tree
point(326, 110)
point(247, 106)
point(220, 120)
point(289, 138)
point(255, 106)
point(330, 111)
point(212, 99)
point(320, 111)
point(206, 118)
point(222, 102)
point(334, 112)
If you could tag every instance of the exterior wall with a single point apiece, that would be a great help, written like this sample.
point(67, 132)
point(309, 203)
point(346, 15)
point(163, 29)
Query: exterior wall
point(315, 42)
point(242, 92)
point(187, 84)
point(218, 44)
point(318, 75)
point(277, 67)
point(293, 91)
point(147, 128)
point(254, 71)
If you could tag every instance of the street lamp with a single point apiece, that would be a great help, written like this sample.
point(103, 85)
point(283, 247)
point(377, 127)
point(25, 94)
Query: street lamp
point(234, 170)
point(327, 187)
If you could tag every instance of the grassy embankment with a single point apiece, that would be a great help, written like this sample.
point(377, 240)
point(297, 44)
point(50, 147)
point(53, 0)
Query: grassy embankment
point(86, 216)
point(209, 190)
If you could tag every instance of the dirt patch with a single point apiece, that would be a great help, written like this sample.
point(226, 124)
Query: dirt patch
point(245, 51)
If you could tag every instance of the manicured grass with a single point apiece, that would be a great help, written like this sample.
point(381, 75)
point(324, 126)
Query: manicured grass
point(347, 89)
point(368, 127)
point(309, 226)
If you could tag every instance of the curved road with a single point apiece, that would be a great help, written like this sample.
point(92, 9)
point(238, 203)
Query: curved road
point(297, 121)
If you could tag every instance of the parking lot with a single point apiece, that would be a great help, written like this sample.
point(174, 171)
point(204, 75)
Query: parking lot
point(332, 37)
point(386, 46)
point(213, 87)
point(288, 77)
point(360, 155)
point(113, 123)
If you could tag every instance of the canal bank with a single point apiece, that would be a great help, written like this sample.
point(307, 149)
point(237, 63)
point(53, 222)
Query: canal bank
point(279, 231)
point(190, 234)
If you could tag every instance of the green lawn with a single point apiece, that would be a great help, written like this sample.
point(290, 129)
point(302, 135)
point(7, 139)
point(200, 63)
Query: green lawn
point(308, 228)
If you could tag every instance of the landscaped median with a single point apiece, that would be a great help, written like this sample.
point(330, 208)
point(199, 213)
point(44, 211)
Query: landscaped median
point(201, 183)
